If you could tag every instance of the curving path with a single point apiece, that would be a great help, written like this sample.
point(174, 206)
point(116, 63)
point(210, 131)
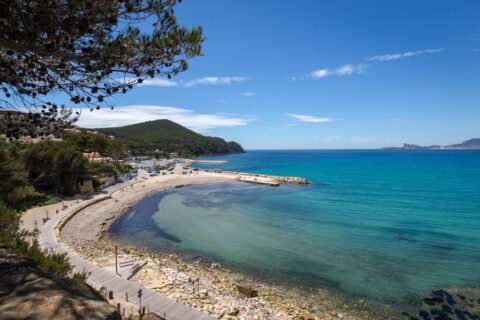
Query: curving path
point(158, 304)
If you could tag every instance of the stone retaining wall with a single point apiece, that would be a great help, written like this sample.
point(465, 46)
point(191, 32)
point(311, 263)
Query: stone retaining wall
point(69, 216)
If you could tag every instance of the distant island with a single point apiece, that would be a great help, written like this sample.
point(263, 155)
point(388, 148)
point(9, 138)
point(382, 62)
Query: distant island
point(468, 144)
point(168, 136)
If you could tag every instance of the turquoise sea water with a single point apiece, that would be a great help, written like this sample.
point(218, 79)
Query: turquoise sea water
point(383, 225)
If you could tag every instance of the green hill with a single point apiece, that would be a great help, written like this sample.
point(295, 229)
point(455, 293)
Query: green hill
point(169, 136)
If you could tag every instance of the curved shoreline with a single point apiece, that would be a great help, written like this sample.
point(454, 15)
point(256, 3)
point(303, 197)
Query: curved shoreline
point(85, 235)
point(98, 278)
point(93, 224)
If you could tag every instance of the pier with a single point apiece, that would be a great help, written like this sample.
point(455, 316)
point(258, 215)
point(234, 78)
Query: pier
point(209, 161)
point(262, 178)
point(250, 177)
point(259, 180)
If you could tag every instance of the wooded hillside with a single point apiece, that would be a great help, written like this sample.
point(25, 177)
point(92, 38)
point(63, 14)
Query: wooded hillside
point(169, 136)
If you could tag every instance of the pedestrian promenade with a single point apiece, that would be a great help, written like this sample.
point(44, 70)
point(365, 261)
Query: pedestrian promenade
point(157, 303)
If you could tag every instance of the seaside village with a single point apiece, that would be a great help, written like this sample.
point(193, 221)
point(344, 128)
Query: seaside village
point(159, 162)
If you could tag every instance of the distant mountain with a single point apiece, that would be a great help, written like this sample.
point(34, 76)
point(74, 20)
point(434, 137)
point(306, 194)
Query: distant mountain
point(168, 136)
point(468, 144)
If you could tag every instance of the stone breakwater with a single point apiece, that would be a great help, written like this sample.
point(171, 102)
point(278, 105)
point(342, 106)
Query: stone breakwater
point(279, 179)
point(209, 161)
point(249, 177)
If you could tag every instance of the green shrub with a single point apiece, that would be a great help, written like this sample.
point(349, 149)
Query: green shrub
point(52, 201)
point(56, 263)
point(80, 276)
point(9, 220)
point(36, 196)
point(20, 194)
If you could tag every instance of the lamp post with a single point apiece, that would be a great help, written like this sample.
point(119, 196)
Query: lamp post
point(140, 297)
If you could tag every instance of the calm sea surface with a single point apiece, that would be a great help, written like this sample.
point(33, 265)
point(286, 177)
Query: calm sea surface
point(383, 225)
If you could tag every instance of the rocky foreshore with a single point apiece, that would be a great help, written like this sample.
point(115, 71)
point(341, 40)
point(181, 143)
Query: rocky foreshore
point(226, 294)
point(448, 304)
point(221, 292)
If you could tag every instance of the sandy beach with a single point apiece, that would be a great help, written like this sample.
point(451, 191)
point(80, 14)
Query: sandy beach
point(217, 294)
point(90, 225)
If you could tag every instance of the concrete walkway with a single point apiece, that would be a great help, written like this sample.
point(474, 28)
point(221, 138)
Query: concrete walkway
point(158, 304)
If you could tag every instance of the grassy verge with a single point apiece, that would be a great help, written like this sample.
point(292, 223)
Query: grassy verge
point(50, 201)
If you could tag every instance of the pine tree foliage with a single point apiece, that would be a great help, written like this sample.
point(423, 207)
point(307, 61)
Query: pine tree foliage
point(88, 50)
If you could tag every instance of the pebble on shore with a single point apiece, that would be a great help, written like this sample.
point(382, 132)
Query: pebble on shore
point(217, 292)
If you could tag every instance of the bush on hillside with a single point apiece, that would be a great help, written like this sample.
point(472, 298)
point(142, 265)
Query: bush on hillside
point(52, 201)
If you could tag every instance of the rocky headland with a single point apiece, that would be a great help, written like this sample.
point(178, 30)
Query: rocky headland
point(465, 145)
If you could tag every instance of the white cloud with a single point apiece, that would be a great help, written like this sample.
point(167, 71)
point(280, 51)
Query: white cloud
point(126, 115)
point(159, 83)
point(395, 56)
point(320, 73)
point(306, 118)
point(213, 81)
point(187, 84)
point(349, 69)
point(249, 94)
point(345, 70)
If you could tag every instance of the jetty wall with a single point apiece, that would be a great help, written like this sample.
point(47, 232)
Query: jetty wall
point(280, 179)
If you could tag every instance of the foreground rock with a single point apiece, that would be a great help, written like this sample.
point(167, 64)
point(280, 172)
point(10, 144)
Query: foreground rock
point(247, 291)
point(449, 304)
point(29, 293)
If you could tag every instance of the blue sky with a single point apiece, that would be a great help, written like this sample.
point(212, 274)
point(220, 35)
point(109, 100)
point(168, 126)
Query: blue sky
point(321, 74)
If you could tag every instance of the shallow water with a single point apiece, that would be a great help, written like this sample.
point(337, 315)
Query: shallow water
point(383, 225)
